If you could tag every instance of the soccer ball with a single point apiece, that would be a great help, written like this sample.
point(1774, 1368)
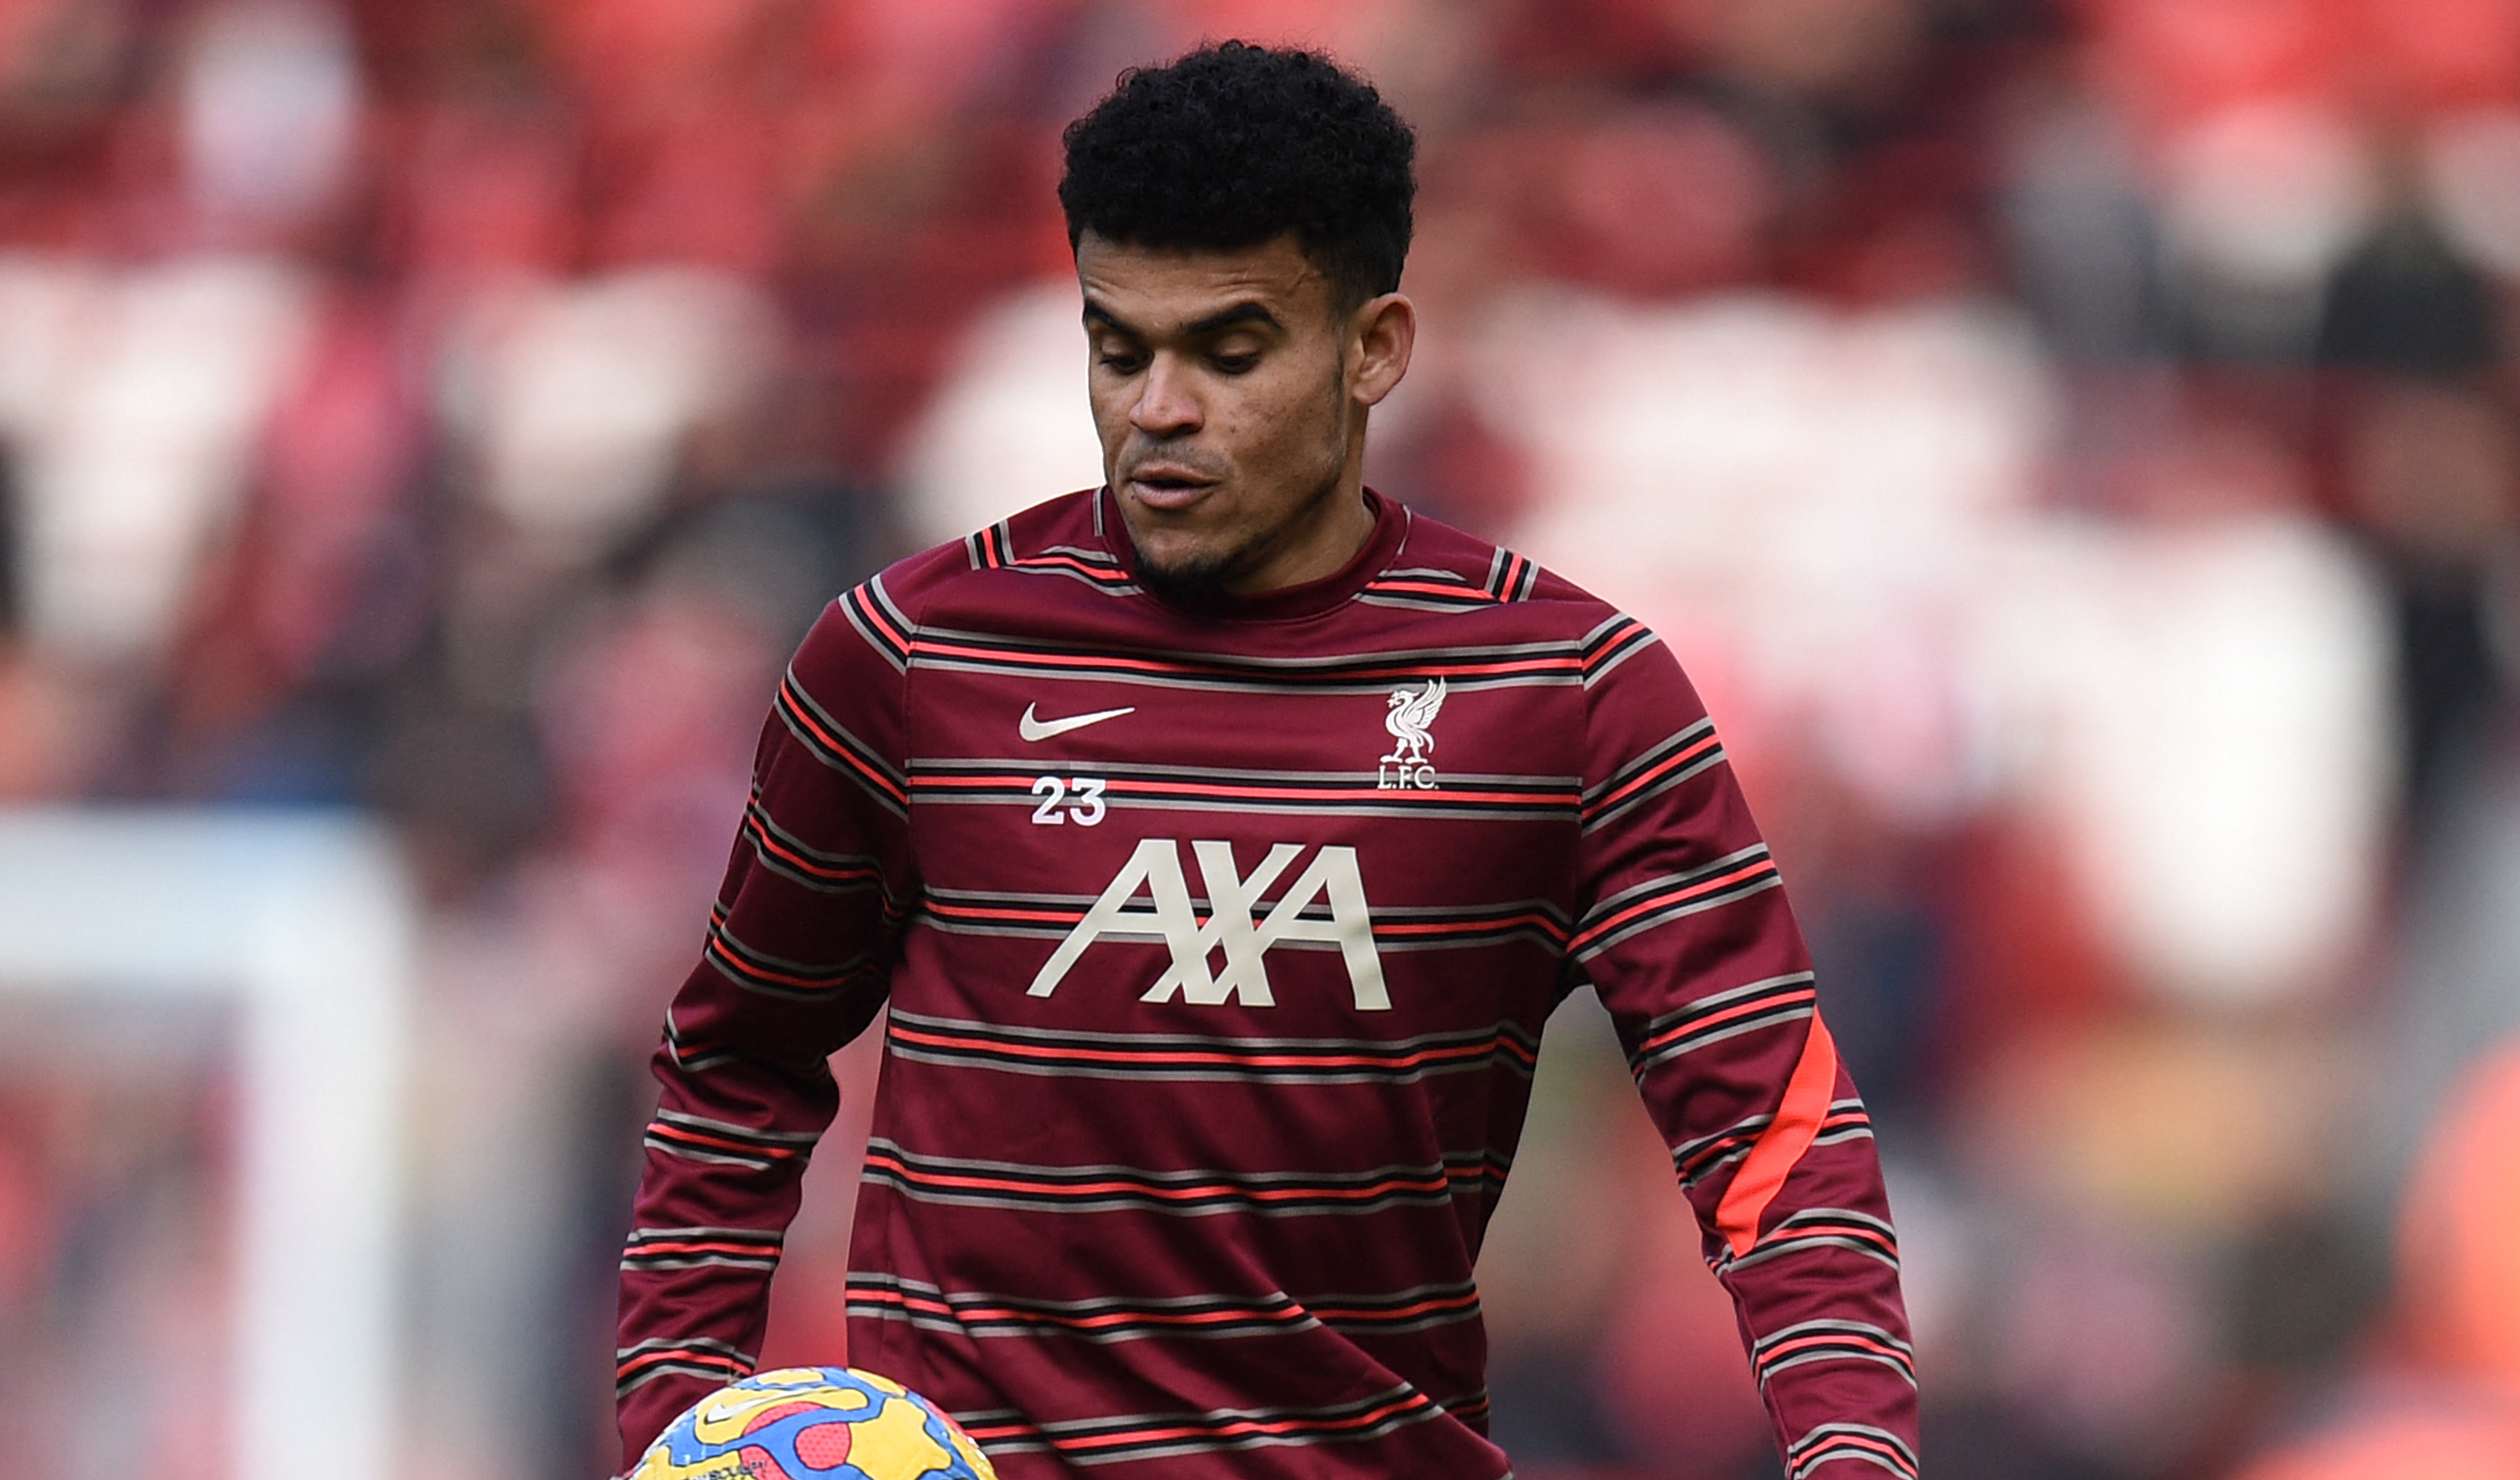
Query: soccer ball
point(813, 1423)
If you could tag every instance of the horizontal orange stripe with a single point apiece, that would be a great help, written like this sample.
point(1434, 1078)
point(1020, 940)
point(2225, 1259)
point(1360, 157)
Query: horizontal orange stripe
point(1000, 912)
point(1850, 1441)
point(1113, 1318)
point(719, 950)
point(1466, 927)
point(1381, 928)
point(805, 717)
point(1430, 589)
point(1202, 1056)
point(769, 844)
point(1820, 1230)
point(1843, 1338)
point(677, 1133)
point(1149, 665)
point(1174, 1193)
point(1127, 786)
point(1359, 1313)
point(1247, 1426)
point(873, 611)
point(1747, 1009)
point(1108, 574)
point(682, 1354)
point(1668, 763)
point(764, 1250)
point(1763, 866)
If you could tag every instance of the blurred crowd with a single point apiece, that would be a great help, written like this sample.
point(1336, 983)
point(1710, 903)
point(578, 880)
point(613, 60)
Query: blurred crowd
point(456, 411)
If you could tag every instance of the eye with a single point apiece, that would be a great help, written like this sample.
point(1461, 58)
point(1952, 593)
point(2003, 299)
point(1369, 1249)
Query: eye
point(1122, 363)
point(1234, 364)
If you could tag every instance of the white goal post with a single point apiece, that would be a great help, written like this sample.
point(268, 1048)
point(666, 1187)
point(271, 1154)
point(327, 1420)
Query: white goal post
point(299, 927)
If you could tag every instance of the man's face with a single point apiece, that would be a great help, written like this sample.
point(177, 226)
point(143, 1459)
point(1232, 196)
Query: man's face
point(1221, 394)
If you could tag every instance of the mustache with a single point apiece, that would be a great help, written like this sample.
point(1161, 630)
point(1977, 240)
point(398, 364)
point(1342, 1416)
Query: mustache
point(1192, 463)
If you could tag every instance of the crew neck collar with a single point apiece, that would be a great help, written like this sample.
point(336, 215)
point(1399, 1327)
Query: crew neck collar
point(1391, 521)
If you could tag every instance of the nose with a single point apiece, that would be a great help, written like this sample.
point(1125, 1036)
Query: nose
point(1166, 405)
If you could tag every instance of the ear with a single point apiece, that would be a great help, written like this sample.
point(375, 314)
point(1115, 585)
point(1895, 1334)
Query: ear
point(1382, 335)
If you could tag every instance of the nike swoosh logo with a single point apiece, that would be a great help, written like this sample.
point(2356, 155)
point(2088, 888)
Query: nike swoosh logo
point(1032, 728)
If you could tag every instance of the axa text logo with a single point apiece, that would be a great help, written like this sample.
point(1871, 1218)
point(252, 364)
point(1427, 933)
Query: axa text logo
point(1149, 900)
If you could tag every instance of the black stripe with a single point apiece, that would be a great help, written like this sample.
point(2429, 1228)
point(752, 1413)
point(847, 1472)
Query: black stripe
point(859, 606)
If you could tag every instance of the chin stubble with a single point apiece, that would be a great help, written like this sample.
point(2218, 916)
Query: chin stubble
point(1203, 580)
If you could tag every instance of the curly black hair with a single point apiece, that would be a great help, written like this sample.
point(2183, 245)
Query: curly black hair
point(1233, 145)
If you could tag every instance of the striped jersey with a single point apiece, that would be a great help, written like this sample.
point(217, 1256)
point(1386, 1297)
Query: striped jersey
point(1217, 948)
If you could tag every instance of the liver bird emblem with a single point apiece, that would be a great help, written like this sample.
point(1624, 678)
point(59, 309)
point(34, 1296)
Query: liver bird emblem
point(1412, 712)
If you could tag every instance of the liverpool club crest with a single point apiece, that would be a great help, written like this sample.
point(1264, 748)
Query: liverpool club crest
point(1411, 722)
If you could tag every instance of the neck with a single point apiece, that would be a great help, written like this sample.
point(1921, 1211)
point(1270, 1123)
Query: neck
point(1323, 536)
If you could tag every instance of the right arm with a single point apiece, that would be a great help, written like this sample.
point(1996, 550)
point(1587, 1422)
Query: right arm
point(795, 964)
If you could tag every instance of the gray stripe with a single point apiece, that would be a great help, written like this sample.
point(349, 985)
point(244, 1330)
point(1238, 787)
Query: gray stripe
point(666, 1369)
point(892, 609)
point(1866, 1455)
point(1629, 650)
point(1145, 1203)
point(1063, 1427)
point(1119, 1423)
point(773, 1237)
point(1863, 1430)
point(995, 1327)
point(1531, 935)
point(1646, 762)
point(1128, 588)
point(713, 1158)
point(1638, 927)
point(1412, 603)
point(860, 750)
point(1815, 1327)
point(699, 1261)
point(1694, 1042)
point(874, 639)
point(1800, 1358)
point(1400, 657)
point(790, 1138)
point(954, 764)
point(1039, 1070)
point(1472, 1158)
point(1602, 909)
point(785, 963)
point(1836, 1215)
point(1091, 557)
point(1799, 1245)
point(1396, 571)
point(1729, 994)
point(1099, 1304)
point(1606, 623)
point(660, 1343)
point(1698, 767)
point(1687, 1149)
point(1196, 1042)
point(1262, 1441)
point(1116, 801)
point(1173, 681)
point(1717, 1165)
point(780, 990)
point(1546, 908)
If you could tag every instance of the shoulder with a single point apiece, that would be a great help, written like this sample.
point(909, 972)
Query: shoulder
point(1440, 567)
point(884, 612)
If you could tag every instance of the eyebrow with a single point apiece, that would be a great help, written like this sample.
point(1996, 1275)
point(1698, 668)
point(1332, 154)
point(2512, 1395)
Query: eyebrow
point(1248, 311)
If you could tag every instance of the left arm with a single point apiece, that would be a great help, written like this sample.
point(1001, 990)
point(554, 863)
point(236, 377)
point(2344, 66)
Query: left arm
point(1686, 936)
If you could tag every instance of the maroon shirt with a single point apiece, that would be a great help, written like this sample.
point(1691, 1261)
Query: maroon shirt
point(1217, 949)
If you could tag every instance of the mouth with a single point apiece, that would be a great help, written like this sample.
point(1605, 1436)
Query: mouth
point(1161, 486)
